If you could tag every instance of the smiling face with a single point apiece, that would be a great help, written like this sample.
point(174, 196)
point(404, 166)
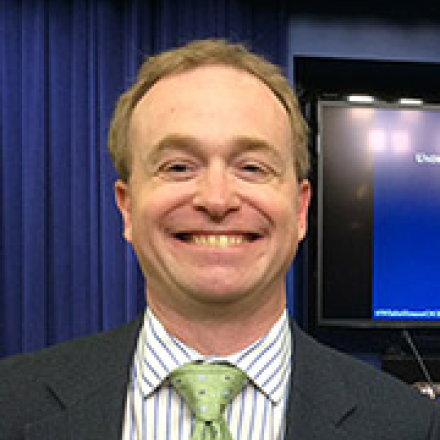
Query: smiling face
point(213, 207)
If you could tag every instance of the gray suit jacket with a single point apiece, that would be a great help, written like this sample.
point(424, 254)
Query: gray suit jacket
point(77, 390)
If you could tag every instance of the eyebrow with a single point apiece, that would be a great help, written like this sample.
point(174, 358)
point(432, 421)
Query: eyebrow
point(173, 142)
point(250, 144)
point(191, 145)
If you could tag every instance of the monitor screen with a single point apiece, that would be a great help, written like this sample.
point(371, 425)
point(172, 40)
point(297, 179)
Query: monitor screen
point(378, 215)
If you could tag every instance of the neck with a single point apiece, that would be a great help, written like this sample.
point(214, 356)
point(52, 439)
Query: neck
point(219, 329)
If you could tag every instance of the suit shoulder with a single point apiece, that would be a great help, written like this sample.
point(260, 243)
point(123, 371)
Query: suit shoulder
point(81, 349)
point(78, 365)
point(381, 401)
point(87, 355)
point(330, 362)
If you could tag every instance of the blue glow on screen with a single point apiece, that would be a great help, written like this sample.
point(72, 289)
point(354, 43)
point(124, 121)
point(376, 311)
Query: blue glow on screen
point(405, 149)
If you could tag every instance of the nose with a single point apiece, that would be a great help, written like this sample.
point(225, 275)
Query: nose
point(216, 193)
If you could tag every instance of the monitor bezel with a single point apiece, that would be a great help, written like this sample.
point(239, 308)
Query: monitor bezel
point(315, 281)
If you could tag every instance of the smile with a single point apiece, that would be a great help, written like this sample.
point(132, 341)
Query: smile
point(217, 240)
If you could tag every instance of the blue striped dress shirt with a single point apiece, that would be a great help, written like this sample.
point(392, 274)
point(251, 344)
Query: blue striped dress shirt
point(155, 411)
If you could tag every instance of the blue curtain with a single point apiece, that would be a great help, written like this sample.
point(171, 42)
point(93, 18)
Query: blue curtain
point(65, 270)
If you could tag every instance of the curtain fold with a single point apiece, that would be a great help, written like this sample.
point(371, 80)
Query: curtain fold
point(65, 269)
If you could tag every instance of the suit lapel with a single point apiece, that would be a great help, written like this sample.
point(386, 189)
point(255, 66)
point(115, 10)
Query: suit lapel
point(319, 400)
point(90, 385)
point(98, 416)
point(306, 421)
point(53, 428)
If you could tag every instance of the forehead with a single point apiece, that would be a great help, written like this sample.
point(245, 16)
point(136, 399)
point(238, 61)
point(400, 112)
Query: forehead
point(211, 101)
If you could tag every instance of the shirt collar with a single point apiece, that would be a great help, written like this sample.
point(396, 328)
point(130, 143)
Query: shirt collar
point(266, 362)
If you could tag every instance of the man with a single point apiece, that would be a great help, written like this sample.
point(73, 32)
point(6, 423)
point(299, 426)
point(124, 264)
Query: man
point(210, 151)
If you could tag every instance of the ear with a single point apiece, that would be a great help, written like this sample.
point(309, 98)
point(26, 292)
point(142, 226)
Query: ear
point(123, 201)
point(302, 207)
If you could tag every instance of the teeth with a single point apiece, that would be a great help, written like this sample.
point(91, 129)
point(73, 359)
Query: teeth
point(217, 240)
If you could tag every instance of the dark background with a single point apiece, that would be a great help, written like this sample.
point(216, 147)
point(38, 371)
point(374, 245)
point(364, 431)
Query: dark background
point(65, 270)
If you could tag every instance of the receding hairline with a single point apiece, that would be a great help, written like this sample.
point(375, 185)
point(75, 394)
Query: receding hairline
point(227, 67)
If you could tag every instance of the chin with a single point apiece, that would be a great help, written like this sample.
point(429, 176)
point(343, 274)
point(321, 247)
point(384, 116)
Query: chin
point(218, 294)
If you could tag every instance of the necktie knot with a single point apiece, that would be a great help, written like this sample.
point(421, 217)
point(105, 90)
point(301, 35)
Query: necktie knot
point(207, 389)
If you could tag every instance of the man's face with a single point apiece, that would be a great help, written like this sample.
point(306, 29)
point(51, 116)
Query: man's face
point(213, 208)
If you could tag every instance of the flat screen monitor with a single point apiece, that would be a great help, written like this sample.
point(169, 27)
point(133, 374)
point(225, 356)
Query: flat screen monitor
point(378, 215)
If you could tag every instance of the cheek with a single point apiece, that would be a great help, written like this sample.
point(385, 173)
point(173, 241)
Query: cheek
point(286, 223)
point(145, 210)
point(153, 207)
point(289, 229)
point(278, 207)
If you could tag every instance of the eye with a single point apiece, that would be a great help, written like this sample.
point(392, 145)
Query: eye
point(177, 170)
point(254, 171)
point(252, 168)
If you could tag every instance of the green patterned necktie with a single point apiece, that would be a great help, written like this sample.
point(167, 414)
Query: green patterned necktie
point(207, 389)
